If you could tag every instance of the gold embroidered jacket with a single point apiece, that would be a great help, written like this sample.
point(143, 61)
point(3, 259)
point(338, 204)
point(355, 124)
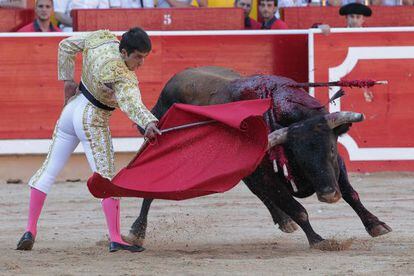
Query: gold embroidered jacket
point(102, 64)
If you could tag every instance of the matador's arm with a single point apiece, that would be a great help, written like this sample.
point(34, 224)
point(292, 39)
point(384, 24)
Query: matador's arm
point(68, 48)
point(125, 85)
point(129, 100)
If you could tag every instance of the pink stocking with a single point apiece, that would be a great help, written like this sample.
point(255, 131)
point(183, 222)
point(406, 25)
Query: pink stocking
point(37, 199)
point(112, 211)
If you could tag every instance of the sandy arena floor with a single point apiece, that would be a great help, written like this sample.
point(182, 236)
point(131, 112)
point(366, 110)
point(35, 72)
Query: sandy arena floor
point(224, 234)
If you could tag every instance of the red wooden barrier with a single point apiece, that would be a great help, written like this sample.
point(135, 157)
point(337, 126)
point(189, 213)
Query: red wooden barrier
point(31, 97)
point(385, 140)
point(158, 19)
point(13, 19)
point(305, 17)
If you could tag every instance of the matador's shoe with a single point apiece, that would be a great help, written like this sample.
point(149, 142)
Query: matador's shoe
point(115, 246)
point(26, 242)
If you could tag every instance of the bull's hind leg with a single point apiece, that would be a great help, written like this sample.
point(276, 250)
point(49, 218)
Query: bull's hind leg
point(286, 224)
point(264, 181)
point(138, 229)
point(372, 224)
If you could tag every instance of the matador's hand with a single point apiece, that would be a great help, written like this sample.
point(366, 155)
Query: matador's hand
point(151, 131)
point(70, 88)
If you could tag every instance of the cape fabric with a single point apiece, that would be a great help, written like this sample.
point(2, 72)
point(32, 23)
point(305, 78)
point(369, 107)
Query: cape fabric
point(195, 161)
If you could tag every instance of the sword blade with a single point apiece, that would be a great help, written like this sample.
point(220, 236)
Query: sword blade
point(187, 126)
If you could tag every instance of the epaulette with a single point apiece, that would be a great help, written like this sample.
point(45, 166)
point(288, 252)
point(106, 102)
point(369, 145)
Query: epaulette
point(98, 38)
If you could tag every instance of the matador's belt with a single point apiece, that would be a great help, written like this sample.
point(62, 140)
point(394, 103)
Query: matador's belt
point(92, 99)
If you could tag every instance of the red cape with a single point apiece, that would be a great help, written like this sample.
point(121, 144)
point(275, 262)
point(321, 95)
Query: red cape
point(195, 161)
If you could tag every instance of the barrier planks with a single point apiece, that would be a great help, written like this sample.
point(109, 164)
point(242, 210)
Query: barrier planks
point(385, 140)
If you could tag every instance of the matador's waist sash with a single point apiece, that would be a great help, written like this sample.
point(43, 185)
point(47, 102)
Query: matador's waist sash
point(92, 99)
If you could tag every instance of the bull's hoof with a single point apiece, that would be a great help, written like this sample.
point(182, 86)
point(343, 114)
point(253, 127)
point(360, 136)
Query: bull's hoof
point(379, 229)
point(133, 239)
point(288, 226)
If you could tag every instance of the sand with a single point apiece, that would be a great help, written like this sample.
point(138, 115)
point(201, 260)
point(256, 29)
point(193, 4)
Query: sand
point(223, 234)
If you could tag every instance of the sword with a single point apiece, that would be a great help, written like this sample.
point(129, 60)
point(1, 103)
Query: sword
point(187, 126)
point(166, 130)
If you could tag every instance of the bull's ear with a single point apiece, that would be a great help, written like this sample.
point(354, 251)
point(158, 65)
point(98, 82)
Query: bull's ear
point(342, 129)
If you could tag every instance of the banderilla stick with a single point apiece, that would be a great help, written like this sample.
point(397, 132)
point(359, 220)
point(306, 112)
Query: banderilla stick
point(342, 83)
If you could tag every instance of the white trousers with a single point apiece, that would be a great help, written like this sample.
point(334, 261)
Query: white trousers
point(80, 121)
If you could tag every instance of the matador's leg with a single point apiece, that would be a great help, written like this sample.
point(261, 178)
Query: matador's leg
point(64, 142)
point(96, 139)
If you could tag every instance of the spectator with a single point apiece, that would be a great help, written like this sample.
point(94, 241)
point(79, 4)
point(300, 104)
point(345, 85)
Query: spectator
point(375, 2)
point(179, 3)
point(43, 11)
point(249, 23)
point(267, 10)
point(62, 14)
point(289, 3)
point(355, 14)
point(335, 3)
point(64, 7)
point(408, 2)
point(13, 4)
point(133, 4)
point(292, 3)
point(384, 2)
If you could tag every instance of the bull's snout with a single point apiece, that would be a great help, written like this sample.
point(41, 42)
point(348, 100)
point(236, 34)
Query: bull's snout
point(330, 197)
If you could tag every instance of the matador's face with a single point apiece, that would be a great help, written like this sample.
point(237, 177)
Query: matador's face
point(134, 60)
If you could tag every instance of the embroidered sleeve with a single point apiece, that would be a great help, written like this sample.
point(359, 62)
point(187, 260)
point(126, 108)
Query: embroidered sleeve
point(68, 48)
point(129, 100)
point(128, 96)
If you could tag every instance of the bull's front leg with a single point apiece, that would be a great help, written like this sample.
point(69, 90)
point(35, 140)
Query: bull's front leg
point(372, 224)
point(286, 224)
point(263, 181)
point(138, 229)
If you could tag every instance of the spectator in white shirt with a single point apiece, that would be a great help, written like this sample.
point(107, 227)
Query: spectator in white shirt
point(179, 3)
point(132, 4)
point(64, 7)
point(289, 3)
point(384, 2)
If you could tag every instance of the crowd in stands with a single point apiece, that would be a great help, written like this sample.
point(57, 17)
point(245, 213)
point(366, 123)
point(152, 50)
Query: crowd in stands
point(268, 10)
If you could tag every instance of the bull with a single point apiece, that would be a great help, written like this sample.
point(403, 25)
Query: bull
point(300, 126)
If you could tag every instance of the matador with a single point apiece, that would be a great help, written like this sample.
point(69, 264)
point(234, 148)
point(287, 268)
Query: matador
point(108, 81)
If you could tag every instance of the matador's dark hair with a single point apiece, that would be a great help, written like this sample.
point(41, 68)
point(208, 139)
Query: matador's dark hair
point(135, 39)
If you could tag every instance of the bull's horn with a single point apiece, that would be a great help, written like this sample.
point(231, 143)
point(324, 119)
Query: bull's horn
point(277, 137)
point(343, 117)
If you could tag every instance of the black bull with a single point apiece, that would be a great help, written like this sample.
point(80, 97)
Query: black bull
point(307, 133)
